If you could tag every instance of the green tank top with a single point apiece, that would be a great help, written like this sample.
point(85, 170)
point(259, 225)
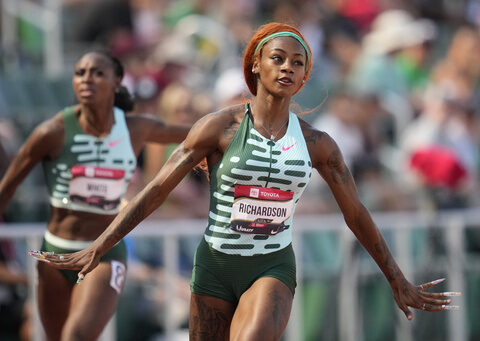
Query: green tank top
point(91, 174)
point(254, 189)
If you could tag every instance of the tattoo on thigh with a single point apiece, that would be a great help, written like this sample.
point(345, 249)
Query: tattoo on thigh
point(281, 310)
point(208, 323)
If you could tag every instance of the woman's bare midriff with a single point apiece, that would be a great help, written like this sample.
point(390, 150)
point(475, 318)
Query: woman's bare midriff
point(77, 225)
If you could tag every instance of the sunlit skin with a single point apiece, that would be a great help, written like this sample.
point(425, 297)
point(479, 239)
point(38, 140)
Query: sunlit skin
point(94, 83)
point(280, 70)
point(263, 310)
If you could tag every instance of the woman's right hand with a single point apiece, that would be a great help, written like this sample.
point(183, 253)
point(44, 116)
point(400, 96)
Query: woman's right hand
point(84, 260)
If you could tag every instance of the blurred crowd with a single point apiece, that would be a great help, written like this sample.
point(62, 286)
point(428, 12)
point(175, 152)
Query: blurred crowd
point(395, 83)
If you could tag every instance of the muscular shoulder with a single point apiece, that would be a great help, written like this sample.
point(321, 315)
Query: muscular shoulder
point(218, 128)
point(320, 145)
point(226, 116)
point(47, 138)
point(52, 128)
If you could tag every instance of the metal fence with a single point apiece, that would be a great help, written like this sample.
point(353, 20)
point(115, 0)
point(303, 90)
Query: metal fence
point(347, 264)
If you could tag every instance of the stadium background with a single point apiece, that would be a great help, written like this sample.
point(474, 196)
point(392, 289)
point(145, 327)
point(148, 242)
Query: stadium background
point(392, 79)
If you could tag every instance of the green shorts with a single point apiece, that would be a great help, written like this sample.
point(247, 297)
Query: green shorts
point(118, 253)
point(228, 276)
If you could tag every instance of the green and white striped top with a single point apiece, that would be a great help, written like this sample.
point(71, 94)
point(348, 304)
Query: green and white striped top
point(91, 174)
point(253, 161)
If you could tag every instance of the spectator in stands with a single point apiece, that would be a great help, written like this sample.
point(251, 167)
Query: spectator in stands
point(4, 161)
point(460, 63)
point(394, 34)
point(15, 317)
point(102, 21)
point(179, 104)
point(342, 122)
point(440, 147)
point(8, 142)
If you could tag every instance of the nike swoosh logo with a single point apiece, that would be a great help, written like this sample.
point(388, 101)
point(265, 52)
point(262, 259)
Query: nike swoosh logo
point(287, 148)
point(114, 143)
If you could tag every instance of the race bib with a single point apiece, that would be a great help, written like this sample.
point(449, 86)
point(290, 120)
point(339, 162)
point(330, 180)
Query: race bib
point(117, 278)
point(260, 210)
point(96, 186)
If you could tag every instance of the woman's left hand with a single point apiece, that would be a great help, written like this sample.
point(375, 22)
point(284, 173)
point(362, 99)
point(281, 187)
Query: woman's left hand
point(408, 295)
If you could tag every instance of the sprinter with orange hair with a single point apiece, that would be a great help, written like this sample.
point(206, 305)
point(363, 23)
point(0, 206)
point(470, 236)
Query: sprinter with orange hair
point(260, 157)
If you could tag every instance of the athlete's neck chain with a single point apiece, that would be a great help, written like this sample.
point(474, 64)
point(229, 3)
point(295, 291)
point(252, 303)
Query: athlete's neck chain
point(268, 131)
point(271, 132)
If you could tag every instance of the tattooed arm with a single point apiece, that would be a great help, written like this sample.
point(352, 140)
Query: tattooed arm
point(327, 159)
point(202, 141)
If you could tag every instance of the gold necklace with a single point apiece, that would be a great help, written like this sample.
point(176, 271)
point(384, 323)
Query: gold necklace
point(269, 131)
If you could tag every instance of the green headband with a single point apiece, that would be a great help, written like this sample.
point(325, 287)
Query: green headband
point(285, 34)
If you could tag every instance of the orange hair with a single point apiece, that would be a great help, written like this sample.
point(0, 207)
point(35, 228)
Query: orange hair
point(249, 54)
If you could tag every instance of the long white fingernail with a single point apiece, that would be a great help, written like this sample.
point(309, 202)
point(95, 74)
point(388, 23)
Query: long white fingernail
point(452, 293)
point(440, 280)
point(450, 307)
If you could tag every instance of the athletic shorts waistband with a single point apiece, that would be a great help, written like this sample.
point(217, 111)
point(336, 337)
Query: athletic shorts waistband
point(66, 243)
